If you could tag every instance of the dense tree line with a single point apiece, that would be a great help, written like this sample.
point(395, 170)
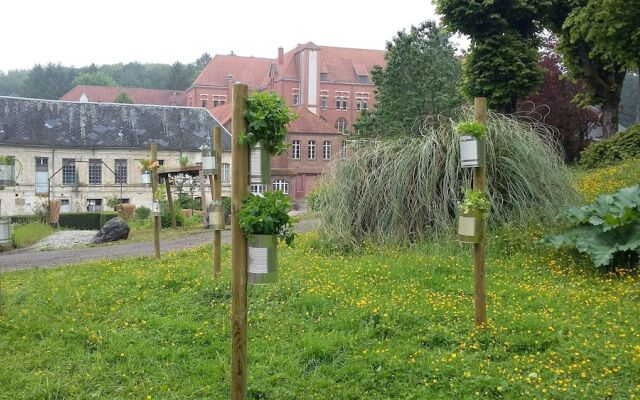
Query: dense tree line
point(52, 81)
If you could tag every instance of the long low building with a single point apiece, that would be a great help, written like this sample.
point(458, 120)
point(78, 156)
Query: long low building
point(83, 153)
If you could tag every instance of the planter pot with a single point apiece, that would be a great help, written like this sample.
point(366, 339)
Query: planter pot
point(145, 178)
point(209, 165)
point(471, 227)
point(263, 259)
point(472, 152)
point(155, 208)
point(5, 232)
point(7, 175)
point(260, 166)
point(216, 215)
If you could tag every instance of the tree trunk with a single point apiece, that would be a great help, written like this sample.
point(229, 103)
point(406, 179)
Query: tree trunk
point(610, 117)
point(638, 99)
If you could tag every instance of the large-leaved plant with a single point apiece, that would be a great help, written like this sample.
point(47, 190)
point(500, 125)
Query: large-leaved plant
point(608, 230)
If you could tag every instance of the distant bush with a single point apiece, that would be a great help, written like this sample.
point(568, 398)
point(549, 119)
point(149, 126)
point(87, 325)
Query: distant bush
point(26, 218)
point(85, 221)
point(226, 205)
point(142, 213)
point(623, 146)
point(165, 218)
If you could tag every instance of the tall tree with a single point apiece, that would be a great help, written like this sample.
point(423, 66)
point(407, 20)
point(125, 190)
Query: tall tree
point(599, 40)
point(124, 98)
point(420, 79)
point(179, 76)
point(49, 82)
point(553, 103)
point(98, 78)
point(502, 64)
point(12, 83)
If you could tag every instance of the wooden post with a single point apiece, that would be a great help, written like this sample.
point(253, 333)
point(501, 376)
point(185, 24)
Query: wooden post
point(239, 183)
point(479, 183)
point(216, 194)
point(203, 199)
point(172, 213)
point(154, 189)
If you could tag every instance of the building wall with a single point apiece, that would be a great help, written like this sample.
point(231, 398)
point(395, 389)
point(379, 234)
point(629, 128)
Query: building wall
point(23, 199)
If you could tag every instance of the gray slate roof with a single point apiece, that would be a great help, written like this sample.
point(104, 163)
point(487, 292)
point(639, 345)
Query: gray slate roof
point(52, 123)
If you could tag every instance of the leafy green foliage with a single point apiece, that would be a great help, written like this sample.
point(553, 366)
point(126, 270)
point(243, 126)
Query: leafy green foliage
point(97, 78)
point(183, 160)
point(145, 165)
point(420, 79)
point(113, 201)
point(85, 220)
point(622, 146)
point(124, 98)
point(6, 160)
point(142, 213)
point(502, 69)
point(475, 200)
point(267, 214)
point(407, 189)
point(165, 218)
point(608, 230)
point(28, 234)
point(473, 128)
point(267, 118)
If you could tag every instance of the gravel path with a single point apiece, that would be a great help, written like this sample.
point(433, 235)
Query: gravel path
point(30, 258)
point(64, 239)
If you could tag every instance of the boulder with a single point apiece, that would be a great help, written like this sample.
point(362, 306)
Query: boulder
point(114, 229)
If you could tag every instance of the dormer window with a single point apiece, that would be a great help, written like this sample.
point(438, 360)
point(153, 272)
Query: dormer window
point(363, 78)
point(296, 97)
point(324, 76)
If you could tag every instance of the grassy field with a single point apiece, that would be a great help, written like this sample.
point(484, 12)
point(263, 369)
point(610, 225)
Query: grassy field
point(384, 323)
point(609, 179)
point(28, 234)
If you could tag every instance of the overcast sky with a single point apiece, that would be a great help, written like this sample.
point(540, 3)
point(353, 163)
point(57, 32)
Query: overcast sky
point(81, 32)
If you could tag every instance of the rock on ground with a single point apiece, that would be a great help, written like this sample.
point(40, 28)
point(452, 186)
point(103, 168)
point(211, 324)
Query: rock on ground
point(114, 229)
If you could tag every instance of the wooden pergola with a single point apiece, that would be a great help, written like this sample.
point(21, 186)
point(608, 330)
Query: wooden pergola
point(190, 170)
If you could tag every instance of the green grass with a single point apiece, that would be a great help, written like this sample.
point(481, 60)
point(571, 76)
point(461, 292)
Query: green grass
point(608, 179)
point(382, 323)
point(28, 234)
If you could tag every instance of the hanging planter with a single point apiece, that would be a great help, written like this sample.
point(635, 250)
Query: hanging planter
point(472, 217)
point(263, 259)
point(259, 168)
point(145, 171)
point(156, 209)
point(7, 171)
point(215, 210)
point(208, 161)
point(145, 177)
point(5, 232)
point(472, 144)
point(264, 219)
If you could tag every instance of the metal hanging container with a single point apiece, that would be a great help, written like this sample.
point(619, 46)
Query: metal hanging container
point(145, 177)
point(259, 169)
point(215, 210)
point(471, 226)
point(472, 152)
point(209, 164)
point(263, 259)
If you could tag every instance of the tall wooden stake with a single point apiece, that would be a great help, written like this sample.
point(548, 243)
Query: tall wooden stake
point(479, 183)
point(239, 183)
point(154, 189)
point(216, 194)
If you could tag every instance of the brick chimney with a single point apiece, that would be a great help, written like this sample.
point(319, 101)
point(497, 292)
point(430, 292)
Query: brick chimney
point(280, 55)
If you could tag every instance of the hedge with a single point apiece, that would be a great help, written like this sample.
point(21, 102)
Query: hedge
point(26, 219)
point(623, 146)
point(85, 221)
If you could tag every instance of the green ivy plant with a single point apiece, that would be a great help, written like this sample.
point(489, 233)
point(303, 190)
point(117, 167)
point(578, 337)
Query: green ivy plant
point(267, 118)
point(267, 214)
point(608, 229)
point(183, 160)
point(145, 165)
point(475, 129)
point(475, 200)
point(6, 160)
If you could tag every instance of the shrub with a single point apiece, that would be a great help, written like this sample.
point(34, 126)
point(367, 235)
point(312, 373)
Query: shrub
point(126, 211)
point(267, 117)
point(142, 213)
point(165, 218)
point(85, 221)
point(28, 234)
point(27, 218)
point(608, 230)
point(403, 190)
point(226, 205)
point(267, 215)
point(623, 146)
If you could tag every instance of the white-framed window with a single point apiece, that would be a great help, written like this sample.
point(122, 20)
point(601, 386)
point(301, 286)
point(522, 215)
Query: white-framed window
point(295, 150)
point(219, 99)
point(362, 101)
point(204, 99)
point(311, 150)
point(281, 185)
point(121, 171)
point(42, 174)
point(344, 149)
point(296, 97)
point(95, 172)
point(341, 125)
point(342, 100)
point(326, 150)
point(69, 171)
point(257, 188)
point(225, 172)
point(324, 99)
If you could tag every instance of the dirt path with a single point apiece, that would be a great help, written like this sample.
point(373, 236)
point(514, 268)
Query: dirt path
point(44, 259)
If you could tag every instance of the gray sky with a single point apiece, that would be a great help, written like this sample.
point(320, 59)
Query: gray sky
point(81, 32)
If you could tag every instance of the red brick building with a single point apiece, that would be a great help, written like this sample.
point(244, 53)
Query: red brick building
point(327, 86)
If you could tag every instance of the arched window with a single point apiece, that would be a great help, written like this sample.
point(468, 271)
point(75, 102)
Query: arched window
point(281, 185)
point(341, 125)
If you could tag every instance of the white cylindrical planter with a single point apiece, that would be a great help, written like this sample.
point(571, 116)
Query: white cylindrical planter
point(145, 177)
point(155, 208)
point(472, 152)
point(5, 232)
point(263, 259)
point(215, 210)
point(260, 167)
point(470, 226)
point(209, 165)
